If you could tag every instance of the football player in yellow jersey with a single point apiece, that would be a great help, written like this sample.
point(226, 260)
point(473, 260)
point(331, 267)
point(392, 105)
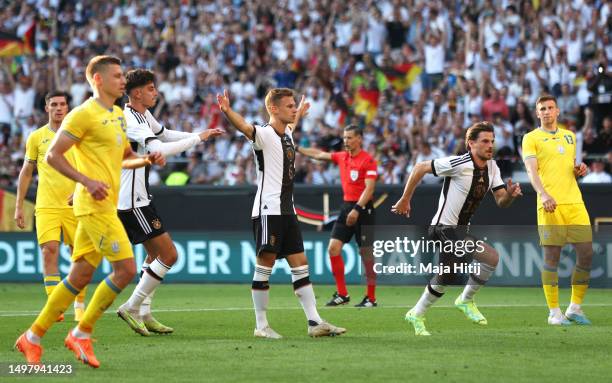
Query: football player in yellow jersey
point(54, 216)
point(550, 154)
point(96, 129)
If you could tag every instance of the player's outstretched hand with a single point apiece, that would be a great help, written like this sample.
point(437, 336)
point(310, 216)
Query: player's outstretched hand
point(303, 107)
point(514, 189)
point(224, 101)
point(157, 158)
point(209, 133)
point(97, 189)
point(580, 170)
point(401, 207)
point(19, 219)
point(548, 202)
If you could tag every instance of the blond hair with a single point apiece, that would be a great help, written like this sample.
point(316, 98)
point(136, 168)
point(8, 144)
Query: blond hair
point(275, 95)
point(98, 64)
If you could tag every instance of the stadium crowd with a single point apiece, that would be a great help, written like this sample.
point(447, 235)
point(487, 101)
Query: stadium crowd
point(414, 74)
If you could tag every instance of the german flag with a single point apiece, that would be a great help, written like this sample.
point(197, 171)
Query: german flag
point(366, 103)
point(13, 45)
point(402, 76)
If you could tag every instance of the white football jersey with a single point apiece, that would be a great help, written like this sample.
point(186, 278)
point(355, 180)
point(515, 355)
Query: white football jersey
point(275, 160)
point(464, 187)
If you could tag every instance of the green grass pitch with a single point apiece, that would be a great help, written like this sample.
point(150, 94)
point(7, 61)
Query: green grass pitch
point(214, 340)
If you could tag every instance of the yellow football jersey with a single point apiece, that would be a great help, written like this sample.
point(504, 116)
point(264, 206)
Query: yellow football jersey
point(101, 144)
point(54, 189)
point(556, 154)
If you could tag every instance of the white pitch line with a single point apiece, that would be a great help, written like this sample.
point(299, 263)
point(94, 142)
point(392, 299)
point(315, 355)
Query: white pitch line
point(213, 309)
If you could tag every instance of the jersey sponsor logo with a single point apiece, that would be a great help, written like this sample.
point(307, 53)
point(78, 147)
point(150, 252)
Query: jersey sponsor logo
point(561, 149)
point(272, 240)
point(45, 141)
point(354, 175)
point(115, 247)
point(119, 139)
point(156, 223)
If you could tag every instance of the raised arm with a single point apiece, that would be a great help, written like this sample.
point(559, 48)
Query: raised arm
point(172, 142)
point(301, 112)
point(317, 154)
point(402, 206)
point(23, 183)
point(234, 118)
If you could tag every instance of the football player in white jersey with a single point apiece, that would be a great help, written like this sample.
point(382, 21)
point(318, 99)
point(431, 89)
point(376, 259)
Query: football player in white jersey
point(136, 210)
point(467, 180)
point(275, 226)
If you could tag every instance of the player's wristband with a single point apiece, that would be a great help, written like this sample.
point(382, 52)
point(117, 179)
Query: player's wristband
point(358, 208)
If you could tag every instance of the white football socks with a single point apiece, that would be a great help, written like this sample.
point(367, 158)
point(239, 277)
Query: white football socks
point(261, 295)
point(431, 294)
point(305, 293)
point(476, 281)
point(150, 279)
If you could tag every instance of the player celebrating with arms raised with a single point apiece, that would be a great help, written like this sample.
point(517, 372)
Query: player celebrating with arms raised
point(275, 225)
point(358, 176)
point(550, 154)
point(96, 129)
point(54, 215)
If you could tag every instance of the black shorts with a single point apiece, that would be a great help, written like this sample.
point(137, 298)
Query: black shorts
point(278, 234)
point(141, 223)
point(457, 235)
point(344, 233)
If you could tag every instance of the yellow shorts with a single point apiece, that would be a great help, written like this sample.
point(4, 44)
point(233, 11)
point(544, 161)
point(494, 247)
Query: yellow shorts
point(567, 224)
point(52, 223)
point(101, 235)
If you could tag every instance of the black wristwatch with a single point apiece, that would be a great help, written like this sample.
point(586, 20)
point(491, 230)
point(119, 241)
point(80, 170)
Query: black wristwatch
point(358, 208)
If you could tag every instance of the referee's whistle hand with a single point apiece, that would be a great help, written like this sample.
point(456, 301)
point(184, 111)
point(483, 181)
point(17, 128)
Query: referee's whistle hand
point(352, 217)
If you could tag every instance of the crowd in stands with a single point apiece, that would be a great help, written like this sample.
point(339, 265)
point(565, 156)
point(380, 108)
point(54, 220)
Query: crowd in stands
point(414, 74)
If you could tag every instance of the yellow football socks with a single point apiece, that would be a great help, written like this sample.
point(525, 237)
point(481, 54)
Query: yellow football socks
point(81, 297)
point(63, 294)
point(550, 284)
point(580, 284)
point(51, 280)
point(103, 297)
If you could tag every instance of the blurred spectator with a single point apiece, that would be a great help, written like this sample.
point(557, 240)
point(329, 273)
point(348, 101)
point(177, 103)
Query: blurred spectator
point(427, 153)
point(597, 174)
point(429, 69)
